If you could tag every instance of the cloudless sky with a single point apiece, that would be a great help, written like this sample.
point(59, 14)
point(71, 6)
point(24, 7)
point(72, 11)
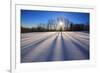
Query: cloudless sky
point(33, 17)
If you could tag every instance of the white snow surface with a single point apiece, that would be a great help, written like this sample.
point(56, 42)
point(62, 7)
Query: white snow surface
point(54, 46)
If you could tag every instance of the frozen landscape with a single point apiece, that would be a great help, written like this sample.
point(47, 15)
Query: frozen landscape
point(54, 46)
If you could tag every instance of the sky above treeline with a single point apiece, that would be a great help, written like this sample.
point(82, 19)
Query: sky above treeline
point(30, 18)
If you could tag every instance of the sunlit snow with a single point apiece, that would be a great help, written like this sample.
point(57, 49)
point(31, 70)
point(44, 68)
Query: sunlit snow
point(54, 46)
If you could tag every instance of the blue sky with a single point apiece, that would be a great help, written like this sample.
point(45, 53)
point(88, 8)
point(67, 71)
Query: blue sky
point(33, 17)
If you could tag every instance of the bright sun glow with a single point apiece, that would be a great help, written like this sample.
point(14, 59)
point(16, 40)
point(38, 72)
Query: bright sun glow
point(61, 23)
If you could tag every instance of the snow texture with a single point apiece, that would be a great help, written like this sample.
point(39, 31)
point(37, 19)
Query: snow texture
point(54, 46)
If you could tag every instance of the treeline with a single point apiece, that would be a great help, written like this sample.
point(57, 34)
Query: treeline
point(72, 27)
point(53, 25)
point(33, 29)
point(78, 27)
point(25, 30)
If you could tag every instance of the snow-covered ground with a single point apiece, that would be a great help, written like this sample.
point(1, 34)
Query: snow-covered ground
point(54, 46)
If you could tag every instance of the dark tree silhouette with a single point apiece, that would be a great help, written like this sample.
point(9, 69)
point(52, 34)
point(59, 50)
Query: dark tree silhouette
point(52, 25)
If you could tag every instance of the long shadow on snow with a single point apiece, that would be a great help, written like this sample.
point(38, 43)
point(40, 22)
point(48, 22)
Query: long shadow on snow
point(26, 50)
point(85, 38)
point(78, 40)
point(83, 33)
point(81, 48)
point(65, 55)
point(52, 48)
point(35, 41)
